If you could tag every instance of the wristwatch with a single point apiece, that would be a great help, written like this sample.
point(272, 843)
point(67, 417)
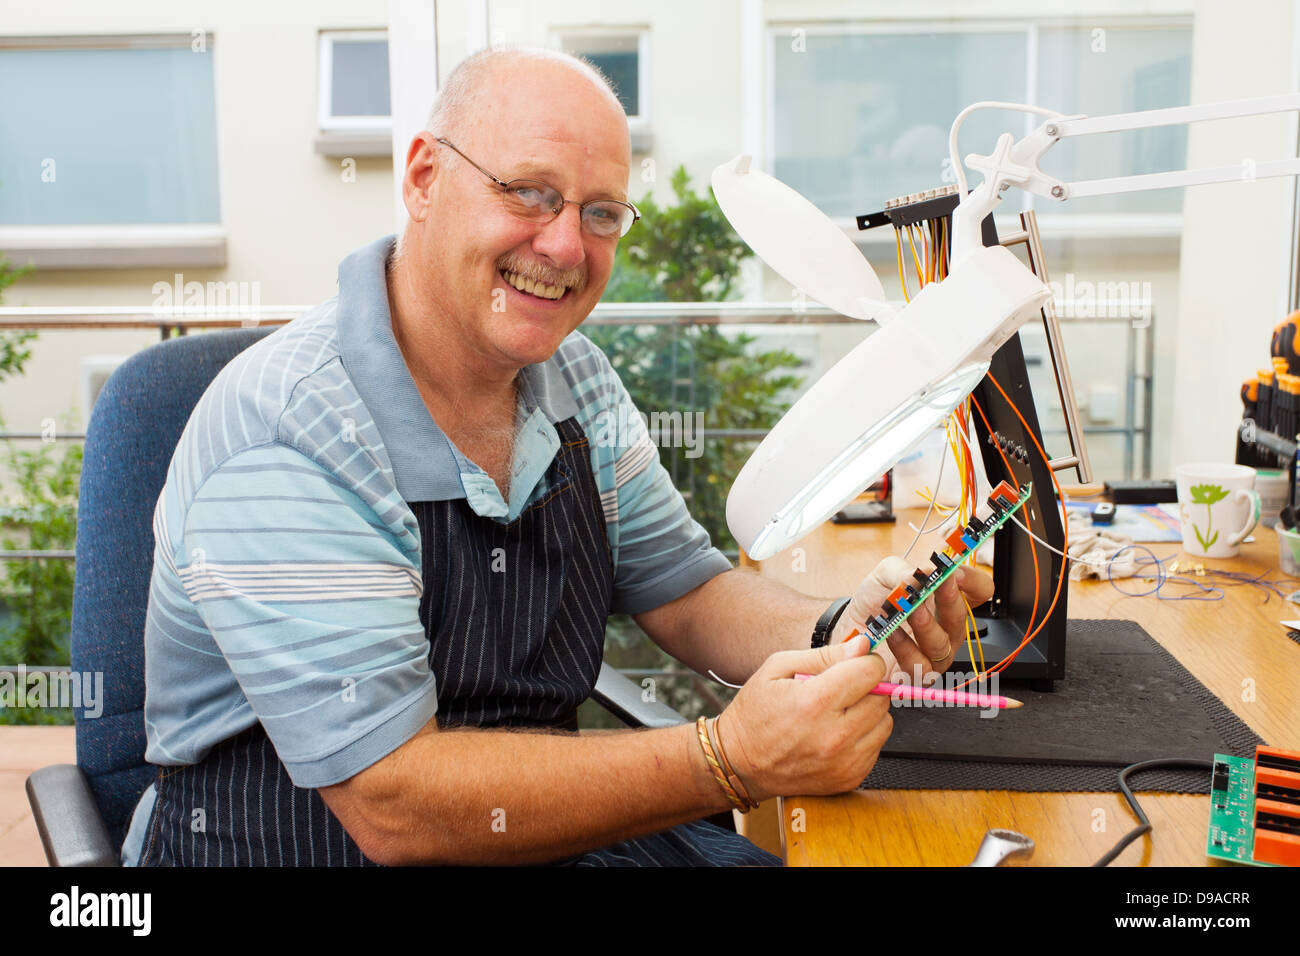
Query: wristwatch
point(826, 623)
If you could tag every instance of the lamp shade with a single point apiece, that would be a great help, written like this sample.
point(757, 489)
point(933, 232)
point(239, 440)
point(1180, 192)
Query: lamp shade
point(799, 241)
point(880, 401)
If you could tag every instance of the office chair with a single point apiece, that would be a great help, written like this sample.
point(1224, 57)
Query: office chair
point(82, 810)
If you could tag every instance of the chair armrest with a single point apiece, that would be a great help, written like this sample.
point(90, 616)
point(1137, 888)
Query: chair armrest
point(67, 818)
point(622, 698)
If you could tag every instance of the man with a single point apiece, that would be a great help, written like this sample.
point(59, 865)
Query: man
point(393, 509)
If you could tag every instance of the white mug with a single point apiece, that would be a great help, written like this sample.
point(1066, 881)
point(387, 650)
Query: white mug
point(1218, 507)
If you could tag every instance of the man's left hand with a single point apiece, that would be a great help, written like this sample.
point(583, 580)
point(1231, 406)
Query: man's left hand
point(934, 631)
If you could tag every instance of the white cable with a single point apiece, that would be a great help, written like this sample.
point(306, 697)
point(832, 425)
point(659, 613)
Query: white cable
point(958, 170)
point(934, 497)
point(1041, 541)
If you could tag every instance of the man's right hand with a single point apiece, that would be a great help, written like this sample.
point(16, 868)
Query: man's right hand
point(821, 735)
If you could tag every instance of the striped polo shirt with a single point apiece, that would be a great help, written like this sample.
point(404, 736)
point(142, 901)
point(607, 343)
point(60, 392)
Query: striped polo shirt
point(286, 579)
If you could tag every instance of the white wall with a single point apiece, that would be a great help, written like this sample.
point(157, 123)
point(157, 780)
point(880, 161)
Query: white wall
point(290, 217)
point(1232, 272)
point(288, 214)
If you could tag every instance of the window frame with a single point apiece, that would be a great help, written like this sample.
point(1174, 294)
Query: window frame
point(129, 245)
point(638, 123)
point(327, 122)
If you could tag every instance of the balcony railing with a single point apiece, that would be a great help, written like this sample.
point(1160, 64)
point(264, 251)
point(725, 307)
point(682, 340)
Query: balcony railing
point(179, 320)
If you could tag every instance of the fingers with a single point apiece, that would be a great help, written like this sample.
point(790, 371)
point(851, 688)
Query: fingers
point(951, 609)
point(815, 660)
point(913, 665)
point(844, 685)
point(929, 632)
point(977, 585)
point(875, 587)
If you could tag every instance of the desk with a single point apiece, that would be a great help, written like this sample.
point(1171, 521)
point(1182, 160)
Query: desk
point(1231, 646)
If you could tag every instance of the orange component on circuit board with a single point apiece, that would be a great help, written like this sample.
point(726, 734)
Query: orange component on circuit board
point(895, 596)
point(1271, 780)
point(1277, 806)
point(1276, 755)
point(1276, 837)
point(1006, 493)
point(955, 542)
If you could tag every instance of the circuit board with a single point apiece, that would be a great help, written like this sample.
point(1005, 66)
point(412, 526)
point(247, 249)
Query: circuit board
point(961, 543)
point(1232, 810)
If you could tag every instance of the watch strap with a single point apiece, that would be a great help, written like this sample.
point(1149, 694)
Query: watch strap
point(826, 623)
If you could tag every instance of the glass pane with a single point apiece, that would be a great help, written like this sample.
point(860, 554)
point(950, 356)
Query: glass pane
point(618, 57)
point(1099, 71)
point(359, 78)
point(858, 120)
point(621, 69)
point(107, 137)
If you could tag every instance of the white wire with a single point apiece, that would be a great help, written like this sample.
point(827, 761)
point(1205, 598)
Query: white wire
point(1026, 530)
point(957, 167)
point(725, 683)
point(934, 497)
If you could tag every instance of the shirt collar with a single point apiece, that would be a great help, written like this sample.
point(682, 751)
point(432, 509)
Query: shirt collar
point(425, 463)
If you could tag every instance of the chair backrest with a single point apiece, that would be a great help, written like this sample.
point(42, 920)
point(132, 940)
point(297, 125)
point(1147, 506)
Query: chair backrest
point(134, 427)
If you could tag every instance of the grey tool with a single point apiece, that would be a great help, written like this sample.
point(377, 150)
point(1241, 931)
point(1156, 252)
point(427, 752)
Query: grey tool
point(1000, 845)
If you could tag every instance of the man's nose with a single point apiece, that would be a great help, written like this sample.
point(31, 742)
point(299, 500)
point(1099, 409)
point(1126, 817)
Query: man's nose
point(560, 240)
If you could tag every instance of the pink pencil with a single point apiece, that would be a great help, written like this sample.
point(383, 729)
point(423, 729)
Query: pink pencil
point(936, 696)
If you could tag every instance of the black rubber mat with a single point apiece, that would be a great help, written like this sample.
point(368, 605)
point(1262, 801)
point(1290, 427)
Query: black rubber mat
point(1124, 699)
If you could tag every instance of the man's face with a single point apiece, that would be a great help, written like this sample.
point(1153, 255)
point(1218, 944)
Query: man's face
point(540, 122)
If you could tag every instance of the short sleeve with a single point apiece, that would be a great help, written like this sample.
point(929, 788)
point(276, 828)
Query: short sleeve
point(663, 553)
point(313, 599)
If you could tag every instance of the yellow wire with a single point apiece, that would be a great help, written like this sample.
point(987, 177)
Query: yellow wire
point(902, 276)
point(973, 630)
point(958, 441)
point(915, 260)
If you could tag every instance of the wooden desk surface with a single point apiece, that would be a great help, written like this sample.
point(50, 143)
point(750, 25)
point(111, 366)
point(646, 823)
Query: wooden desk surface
point(1234, 646)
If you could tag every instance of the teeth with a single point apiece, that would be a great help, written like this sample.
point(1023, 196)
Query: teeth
point(532, 287)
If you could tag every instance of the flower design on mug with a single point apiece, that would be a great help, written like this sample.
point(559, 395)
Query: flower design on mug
point(1207, 495)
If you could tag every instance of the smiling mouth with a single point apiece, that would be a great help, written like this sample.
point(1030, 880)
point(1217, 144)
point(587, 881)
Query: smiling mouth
point(538, 290)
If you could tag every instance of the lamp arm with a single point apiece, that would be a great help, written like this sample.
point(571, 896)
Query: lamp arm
point(1017, 163)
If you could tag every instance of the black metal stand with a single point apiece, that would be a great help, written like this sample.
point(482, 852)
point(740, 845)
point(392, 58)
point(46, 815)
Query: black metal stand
point(1026, 575)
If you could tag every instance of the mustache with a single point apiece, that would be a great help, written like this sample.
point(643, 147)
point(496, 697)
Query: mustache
point(575, 279)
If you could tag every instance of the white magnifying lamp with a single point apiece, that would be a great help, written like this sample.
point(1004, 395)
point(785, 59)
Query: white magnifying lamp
point(882, 399)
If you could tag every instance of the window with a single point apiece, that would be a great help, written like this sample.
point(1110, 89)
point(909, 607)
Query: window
point(108, 131)
point(623, 56)
point(354, 81)
point(1117, 71)
point(859, 115)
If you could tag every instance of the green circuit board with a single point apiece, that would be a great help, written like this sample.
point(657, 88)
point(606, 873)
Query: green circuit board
point(1232, 811)
point(893, 618)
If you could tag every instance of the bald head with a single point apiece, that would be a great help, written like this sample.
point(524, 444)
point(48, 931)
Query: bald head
point(464, 98)
point(491, 282)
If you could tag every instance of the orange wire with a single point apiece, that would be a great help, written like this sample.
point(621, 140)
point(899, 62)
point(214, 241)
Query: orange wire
point(1060, 496)
point(1033, 550)
point(902, 275)
point(1061, 580)
point(916, 260)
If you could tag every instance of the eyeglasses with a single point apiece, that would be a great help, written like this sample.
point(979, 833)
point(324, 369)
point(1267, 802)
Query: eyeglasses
point(535, 201)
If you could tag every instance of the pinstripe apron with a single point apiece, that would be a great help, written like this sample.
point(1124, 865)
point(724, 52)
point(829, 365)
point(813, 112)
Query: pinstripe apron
point(515, 616)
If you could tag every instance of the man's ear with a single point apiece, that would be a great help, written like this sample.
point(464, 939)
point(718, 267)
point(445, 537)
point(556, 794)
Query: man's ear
point(422, 169)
